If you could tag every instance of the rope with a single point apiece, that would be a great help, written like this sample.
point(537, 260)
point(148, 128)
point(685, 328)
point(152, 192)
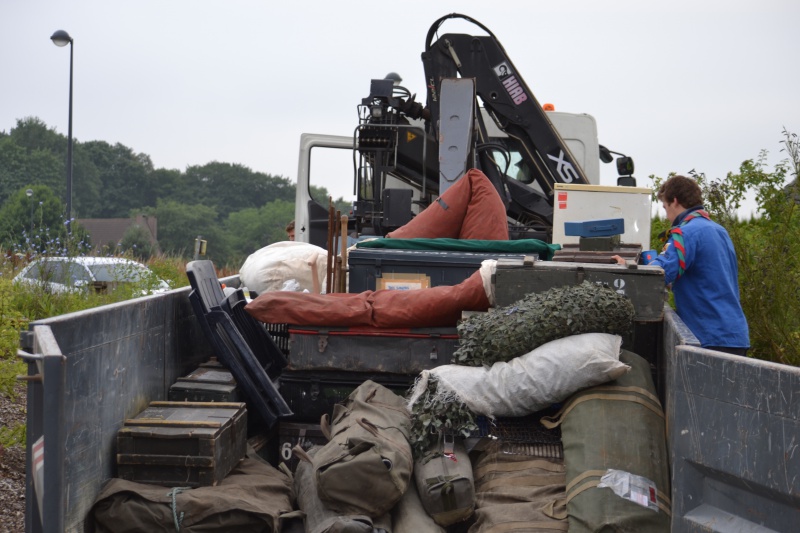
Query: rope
point(174, 494)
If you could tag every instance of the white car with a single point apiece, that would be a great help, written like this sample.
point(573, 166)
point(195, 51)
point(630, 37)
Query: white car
point(68, 274)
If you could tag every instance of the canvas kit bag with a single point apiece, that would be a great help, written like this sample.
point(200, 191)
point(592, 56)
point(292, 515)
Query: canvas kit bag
point(253, 497)
point(318, 518)
point(518, 492)
point(616, 455)
point(444, 482)
point(366, 467)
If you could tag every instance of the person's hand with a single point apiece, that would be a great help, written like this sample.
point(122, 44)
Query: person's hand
point(618, 259)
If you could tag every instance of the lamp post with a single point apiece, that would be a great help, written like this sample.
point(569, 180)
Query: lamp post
point(62, 38)
point(29, 192)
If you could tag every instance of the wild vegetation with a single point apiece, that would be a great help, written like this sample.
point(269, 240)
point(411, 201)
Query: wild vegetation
point(19, 305)
point(767, 246)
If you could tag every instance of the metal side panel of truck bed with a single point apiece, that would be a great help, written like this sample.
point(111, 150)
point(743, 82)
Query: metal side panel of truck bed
point(98, 367)
point(733, 423)
point(734, 441)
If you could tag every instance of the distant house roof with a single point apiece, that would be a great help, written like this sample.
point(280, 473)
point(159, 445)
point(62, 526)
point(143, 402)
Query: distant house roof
point(109, 231)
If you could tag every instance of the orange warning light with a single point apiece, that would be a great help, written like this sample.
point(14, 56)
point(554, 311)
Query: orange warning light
point(549, 107)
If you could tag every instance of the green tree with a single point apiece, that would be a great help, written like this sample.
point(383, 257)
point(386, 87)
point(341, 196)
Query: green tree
point(179, 225)
point(251, 229)
point(31, 133)
point(322, 196)
point(233, 187)
point(32, 221)
point(164, 184)
point(35, 154)
point(768, 249)
point(136, 242)
point(21, 167)
point(123, 174)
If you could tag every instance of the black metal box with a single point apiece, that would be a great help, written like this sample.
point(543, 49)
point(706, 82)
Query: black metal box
point(182, 444)
point(643, 285)
point(311, 394)
point(375, 268)
point(363, 349)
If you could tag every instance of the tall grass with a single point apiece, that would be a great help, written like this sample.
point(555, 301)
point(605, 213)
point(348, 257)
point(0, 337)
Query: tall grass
point(22, 304)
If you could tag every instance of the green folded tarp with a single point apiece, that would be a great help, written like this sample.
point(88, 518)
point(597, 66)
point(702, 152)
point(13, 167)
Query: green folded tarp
point(521, 246)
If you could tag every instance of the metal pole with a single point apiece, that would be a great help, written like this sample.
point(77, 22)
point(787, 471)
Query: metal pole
point(29, 194)
point(69, 146)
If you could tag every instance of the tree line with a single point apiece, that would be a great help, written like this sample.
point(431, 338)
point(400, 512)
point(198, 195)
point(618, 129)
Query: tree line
point(234, 208)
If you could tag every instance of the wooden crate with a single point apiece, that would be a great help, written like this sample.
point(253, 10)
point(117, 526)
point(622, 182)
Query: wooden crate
point(182, 444)
point(643, 285)
point(206, 384)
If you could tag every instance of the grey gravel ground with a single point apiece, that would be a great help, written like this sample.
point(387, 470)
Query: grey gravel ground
point(12, 466)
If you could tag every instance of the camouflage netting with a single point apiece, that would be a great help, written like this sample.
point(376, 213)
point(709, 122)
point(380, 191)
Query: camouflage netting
point(433, 414)
point(508, 332)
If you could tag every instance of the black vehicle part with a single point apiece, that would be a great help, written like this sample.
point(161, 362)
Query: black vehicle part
point(505, 95)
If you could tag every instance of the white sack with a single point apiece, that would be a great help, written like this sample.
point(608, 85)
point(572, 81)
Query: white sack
point(549, 374)
point(487, 270)
point(269, 268)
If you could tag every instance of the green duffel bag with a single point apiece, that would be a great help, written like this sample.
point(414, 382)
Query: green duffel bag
point(366, 467)
point(615, 452)
point(318, 518)
point(444, 482)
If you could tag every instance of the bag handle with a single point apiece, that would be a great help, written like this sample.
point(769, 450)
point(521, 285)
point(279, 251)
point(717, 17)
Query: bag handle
point(325, 426)
point(369, 426)
point(301, 454)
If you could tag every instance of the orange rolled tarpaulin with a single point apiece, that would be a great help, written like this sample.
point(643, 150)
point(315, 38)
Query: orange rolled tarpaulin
point(434, 307)
point(470, 209)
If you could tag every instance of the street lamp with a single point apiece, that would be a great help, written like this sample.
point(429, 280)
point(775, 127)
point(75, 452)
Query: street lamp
point(29, 192)
point(62, 38)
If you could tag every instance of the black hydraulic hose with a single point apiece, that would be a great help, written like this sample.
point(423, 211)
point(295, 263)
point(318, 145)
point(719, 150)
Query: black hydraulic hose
point(435, 27)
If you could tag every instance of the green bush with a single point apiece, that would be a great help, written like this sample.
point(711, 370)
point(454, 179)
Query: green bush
point(767, 247)
point(768, 250)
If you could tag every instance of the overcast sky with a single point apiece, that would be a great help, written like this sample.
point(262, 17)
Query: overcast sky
point(689, 84)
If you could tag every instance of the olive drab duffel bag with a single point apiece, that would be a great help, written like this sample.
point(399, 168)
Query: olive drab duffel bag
point(252, 497)
point(318, 518)
point(444, 482)
point(615, 452)
point(366, 466)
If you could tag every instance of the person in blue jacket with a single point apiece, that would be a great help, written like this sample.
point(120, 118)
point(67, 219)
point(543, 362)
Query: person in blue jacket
point(699, 261)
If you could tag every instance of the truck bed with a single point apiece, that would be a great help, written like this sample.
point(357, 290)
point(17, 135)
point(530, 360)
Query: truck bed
point(733, 423)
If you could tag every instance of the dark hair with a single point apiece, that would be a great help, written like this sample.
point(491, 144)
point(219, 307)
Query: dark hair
point(685, 190)
point(290, 226)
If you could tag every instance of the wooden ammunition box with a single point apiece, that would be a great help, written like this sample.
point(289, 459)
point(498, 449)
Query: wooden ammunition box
point(643, 285)
point(182, 444)
point(206, 384)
